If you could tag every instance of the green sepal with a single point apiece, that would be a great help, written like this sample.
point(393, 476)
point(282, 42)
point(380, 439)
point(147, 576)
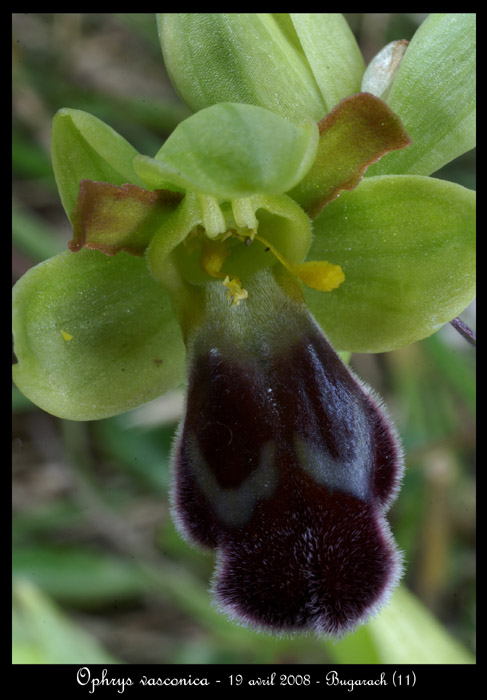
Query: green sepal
point(434, 93)
point(355, 134)
point(94, 336)
point(253, 58)
point(332, 54)
point(85, 148)
point(113, 218)
point(406, 244)
point(231, 151)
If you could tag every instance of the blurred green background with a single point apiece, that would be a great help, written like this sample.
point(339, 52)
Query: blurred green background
point(99, 573)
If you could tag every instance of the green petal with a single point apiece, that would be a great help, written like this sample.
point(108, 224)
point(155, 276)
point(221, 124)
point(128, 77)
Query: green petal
point(85, 148)
point(94, 336)
point(356, 133)
point(434, 94)
point(407, 247)
point(231, 151)
point(332, 53)
point(253, 58)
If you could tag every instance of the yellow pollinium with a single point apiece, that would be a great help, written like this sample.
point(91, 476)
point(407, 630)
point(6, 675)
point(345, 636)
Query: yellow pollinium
point(319, 274)
point(235, 292)
point(212, 258)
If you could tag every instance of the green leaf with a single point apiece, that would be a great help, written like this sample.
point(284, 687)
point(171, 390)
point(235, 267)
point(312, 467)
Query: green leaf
point(405, 632)
point(85, 148)
point(253, 58)
point(231, 151)
point(114, 219)
point(42, 634)
point(78, 576)
point(332, 53)
point(434, 93)
point(407, 247)
point(359, 131)
point(32, 236)
point(94, 336)
point(455, 369)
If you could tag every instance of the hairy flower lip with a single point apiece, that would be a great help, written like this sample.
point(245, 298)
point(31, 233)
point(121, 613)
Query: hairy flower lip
point(286, 464)
point(259, 586)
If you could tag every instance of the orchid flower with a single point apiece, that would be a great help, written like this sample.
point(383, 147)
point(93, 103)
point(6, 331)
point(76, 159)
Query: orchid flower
point(238, 257)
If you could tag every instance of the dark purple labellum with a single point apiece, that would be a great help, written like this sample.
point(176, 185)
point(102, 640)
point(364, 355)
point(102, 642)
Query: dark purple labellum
point(286, 464)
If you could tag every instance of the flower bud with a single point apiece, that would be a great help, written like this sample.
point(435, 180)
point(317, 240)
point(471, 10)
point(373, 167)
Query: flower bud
point(297, 65)
point(382, 69)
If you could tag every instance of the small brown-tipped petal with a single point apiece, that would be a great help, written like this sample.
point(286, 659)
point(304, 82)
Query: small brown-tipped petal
point(355, 134)
point(112, 218)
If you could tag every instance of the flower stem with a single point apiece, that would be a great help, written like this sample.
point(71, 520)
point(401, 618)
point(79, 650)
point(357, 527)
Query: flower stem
point(464, 330)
